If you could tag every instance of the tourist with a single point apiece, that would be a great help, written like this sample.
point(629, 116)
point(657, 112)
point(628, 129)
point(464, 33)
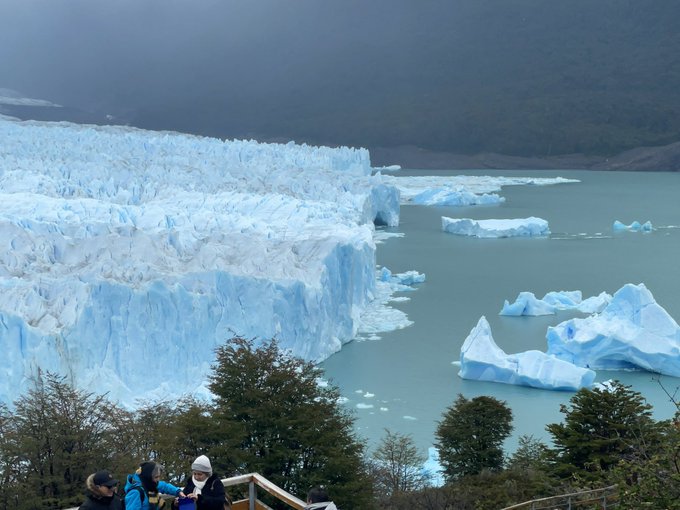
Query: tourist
point(205, 487)
point(100, 492)
point(144, 487)
point(317, 499)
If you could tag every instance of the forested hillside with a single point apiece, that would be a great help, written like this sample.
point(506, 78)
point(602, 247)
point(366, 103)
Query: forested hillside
point(518, 77)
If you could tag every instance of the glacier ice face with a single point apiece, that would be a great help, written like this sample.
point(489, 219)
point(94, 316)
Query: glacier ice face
point(482, 360)
point(633, 331)
point(519, 227)
point(124, 249)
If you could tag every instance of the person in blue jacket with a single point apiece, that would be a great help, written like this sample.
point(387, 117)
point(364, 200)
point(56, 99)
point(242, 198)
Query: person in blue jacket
point(144, 487)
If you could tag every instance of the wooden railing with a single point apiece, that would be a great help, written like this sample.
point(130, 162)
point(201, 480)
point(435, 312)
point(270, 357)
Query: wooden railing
point(603, 499)
point(254, 481)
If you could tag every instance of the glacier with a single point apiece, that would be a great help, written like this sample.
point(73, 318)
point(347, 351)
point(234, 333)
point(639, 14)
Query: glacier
point(494, 228)
point(632, 332)
point(482, 360)
point(126, 249)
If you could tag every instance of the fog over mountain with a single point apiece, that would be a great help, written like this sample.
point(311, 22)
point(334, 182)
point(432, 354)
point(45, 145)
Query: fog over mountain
point(406, 79)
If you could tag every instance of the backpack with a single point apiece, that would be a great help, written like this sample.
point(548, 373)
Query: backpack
point(227, 501)
point(142, 495)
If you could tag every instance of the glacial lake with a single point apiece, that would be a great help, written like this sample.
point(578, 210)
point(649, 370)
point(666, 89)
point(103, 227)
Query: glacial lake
point(405, 380)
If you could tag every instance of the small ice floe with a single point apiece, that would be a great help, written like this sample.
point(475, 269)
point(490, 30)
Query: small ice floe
point(494, 228)
point(633, 227)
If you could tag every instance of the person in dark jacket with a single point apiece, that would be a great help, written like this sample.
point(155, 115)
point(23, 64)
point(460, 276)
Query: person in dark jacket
point(317, 499)
point(144, 487)
point(205, 487)
point(100, 492)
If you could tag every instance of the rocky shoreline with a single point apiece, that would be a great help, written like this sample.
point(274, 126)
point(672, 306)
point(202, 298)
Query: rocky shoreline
point(660, 159)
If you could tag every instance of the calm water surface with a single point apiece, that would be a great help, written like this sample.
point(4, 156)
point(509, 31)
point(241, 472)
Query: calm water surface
point(408, 377)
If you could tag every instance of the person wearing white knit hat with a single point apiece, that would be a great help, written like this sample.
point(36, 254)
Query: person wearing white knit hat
point(205, 487)
point(202, 465)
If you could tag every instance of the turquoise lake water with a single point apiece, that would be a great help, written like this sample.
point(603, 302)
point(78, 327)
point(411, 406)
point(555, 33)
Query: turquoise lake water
point(408, 377)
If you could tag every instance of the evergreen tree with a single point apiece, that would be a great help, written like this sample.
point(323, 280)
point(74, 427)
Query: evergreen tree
point(56, 437)
point(652, 480)
point(397, 466)
point(602, 426)
point(275, 418)
point(531, 454)
point(172, 434)
point(471, 435)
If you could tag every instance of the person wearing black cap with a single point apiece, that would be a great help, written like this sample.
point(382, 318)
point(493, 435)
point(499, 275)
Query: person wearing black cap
point(100, 492)
point(144, 487)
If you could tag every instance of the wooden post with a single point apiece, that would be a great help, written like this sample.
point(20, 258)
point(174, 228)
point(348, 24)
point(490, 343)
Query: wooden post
point(252, 495)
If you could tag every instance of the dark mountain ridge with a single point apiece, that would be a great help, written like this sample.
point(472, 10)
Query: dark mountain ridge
point(524, 78)
point(426, 83)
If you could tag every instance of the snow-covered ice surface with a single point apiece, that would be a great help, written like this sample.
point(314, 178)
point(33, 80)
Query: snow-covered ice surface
point(127, 249)
point(482, 360)
point(14, 98)
point(493, 228)
point(128, 254)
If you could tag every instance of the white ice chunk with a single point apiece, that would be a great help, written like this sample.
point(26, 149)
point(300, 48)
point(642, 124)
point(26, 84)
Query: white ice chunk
point(634, 227)
point(451, 197)
point(482, 360)
point(632, 331)
point(410, 187)
point(528, 304)
point(519, 227)
point(403, 279)
point(433, 469)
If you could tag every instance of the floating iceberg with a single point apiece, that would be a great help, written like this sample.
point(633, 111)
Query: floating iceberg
point(446, 196)
point(403, 279)
point(122, 248)
point(634, 227)
point(633, 331)
point(482, 360)
point(520, 227)
point(528, 304)
point(478, 185)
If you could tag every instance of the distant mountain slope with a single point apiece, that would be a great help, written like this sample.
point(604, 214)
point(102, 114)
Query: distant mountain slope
point(523, 78)
point(518, 77)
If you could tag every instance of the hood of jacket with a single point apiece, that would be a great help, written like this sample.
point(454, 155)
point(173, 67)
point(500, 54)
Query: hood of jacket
point(133, 480)
point(92, 491)
point(324, 505)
